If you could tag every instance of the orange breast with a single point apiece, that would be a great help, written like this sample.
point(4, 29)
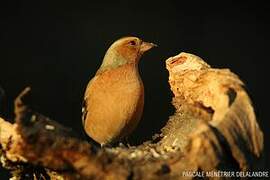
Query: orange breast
point(115, 101)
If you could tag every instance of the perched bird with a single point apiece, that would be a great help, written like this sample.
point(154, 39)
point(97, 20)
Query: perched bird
point(114, 97)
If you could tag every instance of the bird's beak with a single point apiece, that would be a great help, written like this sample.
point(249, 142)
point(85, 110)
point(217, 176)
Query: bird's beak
point(145, 46)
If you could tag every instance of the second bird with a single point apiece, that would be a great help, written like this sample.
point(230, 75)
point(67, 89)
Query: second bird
point(114, 97)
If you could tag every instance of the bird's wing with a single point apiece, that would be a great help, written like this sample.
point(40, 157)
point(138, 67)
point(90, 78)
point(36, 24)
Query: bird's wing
point(84, 111)
point(86, 97)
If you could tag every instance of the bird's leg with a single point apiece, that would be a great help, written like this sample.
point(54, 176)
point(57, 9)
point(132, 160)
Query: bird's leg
point(104, 145)
point(125, 143)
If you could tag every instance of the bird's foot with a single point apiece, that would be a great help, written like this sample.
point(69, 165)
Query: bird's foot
point(104, 145)
point(125, 143)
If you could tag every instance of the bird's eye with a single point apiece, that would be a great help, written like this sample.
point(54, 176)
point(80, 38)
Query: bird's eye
point(132, 43)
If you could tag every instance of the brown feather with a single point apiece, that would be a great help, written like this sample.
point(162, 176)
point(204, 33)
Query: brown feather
point(115, 99)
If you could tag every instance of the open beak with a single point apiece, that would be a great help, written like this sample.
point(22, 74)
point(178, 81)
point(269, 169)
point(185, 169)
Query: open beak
point(145, 46)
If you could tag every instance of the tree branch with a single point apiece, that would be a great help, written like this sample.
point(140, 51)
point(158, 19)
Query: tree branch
point(214, 128)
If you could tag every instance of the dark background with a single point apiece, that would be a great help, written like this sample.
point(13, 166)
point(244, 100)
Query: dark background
point(56, 47)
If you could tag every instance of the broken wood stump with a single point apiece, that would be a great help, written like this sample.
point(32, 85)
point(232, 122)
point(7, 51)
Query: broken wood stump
point(214, 128)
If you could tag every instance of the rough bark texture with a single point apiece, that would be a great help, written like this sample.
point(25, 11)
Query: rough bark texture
point(214, 128)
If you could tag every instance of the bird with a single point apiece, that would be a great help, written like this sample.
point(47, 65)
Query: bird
point(114, 98)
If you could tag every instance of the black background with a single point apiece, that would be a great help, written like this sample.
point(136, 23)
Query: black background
point(56, 47)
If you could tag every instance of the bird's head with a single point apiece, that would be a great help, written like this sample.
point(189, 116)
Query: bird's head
point(125, 50)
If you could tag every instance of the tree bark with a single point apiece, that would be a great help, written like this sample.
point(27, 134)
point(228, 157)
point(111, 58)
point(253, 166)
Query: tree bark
point(213, 129)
